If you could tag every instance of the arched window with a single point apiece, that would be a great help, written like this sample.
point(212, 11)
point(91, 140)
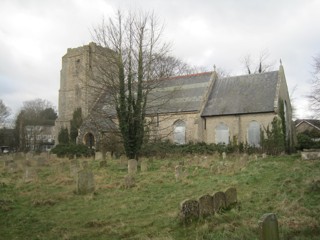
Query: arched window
point(254, 134)
point(222, 134)
point(179, 132)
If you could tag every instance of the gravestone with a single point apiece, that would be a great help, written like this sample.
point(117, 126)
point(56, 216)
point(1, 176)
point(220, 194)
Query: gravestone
point(189, 210)
point(29, 156)
point(129, 181)
point(30, 174)
point(268, 227)
point(103, 163)
point(219, 201)
point(132, 166)
point(224, 155)
point(85, 182)
point(206, 207)
point(123, 163)
point(264, 155)
point(178, 172)
point(144, 165)
point(53, 156)
point(13, 167)
point(98, 156)
point(41, 161)
point(231, 196)
point(19, 156)
point(45, 155)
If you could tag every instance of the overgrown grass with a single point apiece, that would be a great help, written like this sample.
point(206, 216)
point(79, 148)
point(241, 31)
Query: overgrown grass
point(46, 207)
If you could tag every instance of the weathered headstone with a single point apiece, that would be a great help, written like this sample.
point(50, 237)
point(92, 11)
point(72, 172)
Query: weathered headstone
point(231, 196)
point(29, 156)
point(144, 165)
point(219, 201)
point(45, 155)
point(132, 166)
point(19, 156)
point(13, 167)
point(30, 174)
point(41, 161)
point(85, 182)
point(98, 156)
point(264, 155)
point(178, 172)
point(189, 210)
point(53, 156)
point(129, 181)
point(310, 154)
point(224, 155)
point(206, 207)
point(268, 227)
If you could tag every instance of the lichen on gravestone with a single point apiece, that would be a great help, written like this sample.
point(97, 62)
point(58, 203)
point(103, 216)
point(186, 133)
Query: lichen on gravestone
point(219, 201)
point(231, 196)
point(189, 210)
point(144, 165)
point(268, 227)
point(132, 166)
point(206, 207)
point(85, 182)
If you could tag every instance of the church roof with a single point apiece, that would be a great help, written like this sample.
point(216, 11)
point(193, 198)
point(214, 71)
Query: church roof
point(254, 93)
point(179, 94)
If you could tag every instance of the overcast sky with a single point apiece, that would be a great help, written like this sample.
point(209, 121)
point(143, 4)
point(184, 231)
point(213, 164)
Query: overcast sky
point(35, 34)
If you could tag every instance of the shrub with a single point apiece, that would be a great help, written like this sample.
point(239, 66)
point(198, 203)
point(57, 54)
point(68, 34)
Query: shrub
point(71, 150)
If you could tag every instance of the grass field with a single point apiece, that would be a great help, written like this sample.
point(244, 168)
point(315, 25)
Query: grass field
point(46, 207)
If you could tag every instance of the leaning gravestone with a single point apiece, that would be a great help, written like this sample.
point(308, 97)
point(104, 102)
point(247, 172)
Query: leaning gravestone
point(132, 166)
point(219, 201)
point(206, 207)
point(85, 182)
point(189, 210)
point(231, 196)
point(268, 227)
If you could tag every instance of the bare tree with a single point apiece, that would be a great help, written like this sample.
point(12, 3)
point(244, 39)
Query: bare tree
point(125, 75)
point(314, 97)
point(4, 112)
point(257, 65)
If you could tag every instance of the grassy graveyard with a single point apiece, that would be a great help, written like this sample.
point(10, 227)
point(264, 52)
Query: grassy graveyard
point(44, 205)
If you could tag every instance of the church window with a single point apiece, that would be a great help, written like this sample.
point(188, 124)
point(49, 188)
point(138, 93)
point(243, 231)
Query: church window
point(179, 132)
point(222, 134)
point(254, 134)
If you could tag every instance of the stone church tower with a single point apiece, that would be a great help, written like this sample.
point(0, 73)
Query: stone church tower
point(75, 81)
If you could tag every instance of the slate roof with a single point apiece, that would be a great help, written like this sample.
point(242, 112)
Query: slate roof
point(179, 94)
point(313, 122)
point(254, 93)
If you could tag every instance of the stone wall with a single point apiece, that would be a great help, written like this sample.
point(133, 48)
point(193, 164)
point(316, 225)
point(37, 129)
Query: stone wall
point(237, 124)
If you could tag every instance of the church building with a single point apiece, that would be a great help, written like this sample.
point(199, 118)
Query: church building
point(201, 107)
